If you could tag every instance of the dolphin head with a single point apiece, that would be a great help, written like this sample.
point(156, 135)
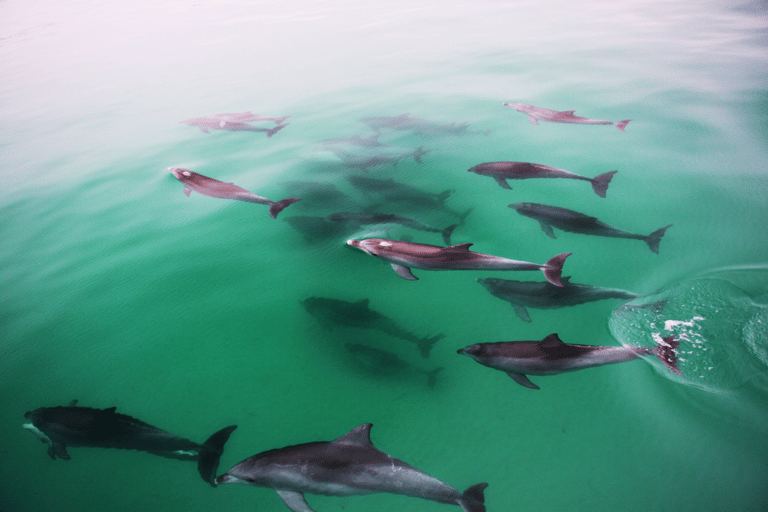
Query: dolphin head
point(180, 174)
point(472, 350)
point(372, 246)
point(228, 478)
point(520, 107)
point(522, 208)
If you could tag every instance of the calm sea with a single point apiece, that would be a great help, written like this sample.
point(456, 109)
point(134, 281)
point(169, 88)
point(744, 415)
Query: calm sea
point(185, 312)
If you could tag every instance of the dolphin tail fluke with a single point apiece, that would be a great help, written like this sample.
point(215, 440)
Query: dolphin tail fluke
point(280, 120)
point(208, 461)
point(442, 196)
point(426, 344)
point(463, 216)
point(279, 206)
point(432, 376)
point(419, 153)
point(553, 268)
point(276, 129)
point(447, 232)
point(622, 124)
point(654, 238)
point(667, 353)
point(473, 499)
point(600, 183)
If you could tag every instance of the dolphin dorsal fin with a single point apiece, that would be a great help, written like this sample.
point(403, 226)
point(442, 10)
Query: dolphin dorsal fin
point(72, 403)
point(551, 341)
point(565, 280)
point(458, 248)
point(568, 112)
point(110, 410)
point(360, 436)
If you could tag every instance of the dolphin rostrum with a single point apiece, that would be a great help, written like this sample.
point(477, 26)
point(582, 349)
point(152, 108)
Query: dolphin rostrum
point(536, 114)
point(551, 356)
point(367, 219)
point(350, 465)
point(215, 188)
point(359, 315)
point(575, 222)
point(71, 425)
point(406, 255)
point(503, 171)
point(543, 295)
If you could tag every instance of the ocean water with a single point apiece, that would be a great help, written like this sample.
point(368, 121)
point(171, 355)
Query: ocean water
point(186, 312)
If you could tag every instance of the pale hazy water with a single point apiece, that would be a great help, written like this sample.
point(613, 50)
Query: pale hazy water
point(118, 290)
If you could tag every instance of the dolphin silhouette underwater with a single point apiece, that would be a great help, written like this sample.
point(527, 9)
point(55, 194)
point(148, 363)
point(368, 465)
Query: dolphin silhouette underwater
point(72, 425)
point(552, 356)
point(575, 222)
point(503, 171)
point(369, 219)
point(215, 188)
point(350, 465)
point(536, 114)
point(406, 255)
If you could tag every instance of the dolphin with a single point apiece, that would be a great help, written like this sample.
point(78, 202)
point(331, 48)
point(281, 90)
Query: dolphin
point(404, 122)
point(71, 425)
point(372, 141)
point(503, 171)
point(551, 356)
point(348, 466)
point(406, 255)
point(217, 123)
point(363, 219)
point(536, 114)
point(381, 361)
point(544, 295)
point(575, 222)
point(244, 117)
point(359, 315)
point(364, 161)
point(215, 188)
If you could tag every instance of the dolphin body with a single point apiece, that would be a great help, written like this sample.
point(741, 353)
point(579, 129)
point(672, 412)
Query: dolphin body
point(551, 356)
point(522, 294)
point(71, 425)
point(218, 123)
point(406, 255)
point(358, 314)
point(404, 122)
point(536, 114)
point(367, 219)
point(350, 465)
point(215, 188)
point(503, 171)
point(365, 161)
point(383, 362)
point(575, 222)
point(245, 117)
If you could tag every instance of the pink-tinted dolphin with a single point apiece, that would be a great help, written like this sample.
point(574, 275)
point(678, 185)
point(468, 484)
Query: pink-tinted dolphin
point(245, 117)
point(218, 123)
point(551, 356)
point(536, 114)
point(503, 171)
point(350, 465)
point(406, 255)
point(215, 188)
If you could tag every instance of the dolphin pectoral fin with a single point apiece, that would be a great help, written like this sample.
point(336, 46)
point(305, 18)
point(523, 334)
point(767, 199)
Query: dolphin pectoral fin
point(522, 313)
point(187, 191)
point(502, 182)
point(533, 120)
point(294, 500)
point(547, 229)
point(522, 380)
point(404, 272)
point(58, 450)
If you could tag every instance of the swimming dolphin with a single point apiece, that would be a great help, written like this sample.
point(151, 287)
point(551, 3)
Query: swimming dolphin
point(71, 425)
point(544, 295)
point(383, 362)
point(364, 161)
point(406, 255)
point(367, 219)
point(503, 171)
point(575, 222)
point(536, 114)
point(372, 141)
point(359, 315)
point(551, 356)
point(404, 122)
point(215, 188)
point(348, 466)
point(218, 123)
point(244, 117)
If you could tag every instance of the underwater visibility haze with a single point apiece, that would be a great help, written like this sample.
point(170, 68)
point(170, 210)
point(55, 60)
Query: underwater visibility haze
point(186, 186)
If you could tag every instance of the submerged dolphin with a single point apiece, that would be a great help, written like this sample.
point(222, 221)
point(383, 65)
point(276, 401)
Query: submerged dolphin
point(215, 188)
point(536, 114)
point(367, 219)
point(551, 356)
point(543, 295)
point(404, 122)
point(348, 466)
point(503, 171)
point(406, 255)
point(222, 123)
point(364, 161)
point(383, 362)
point(71, 425)
point(575, 222)
point(248, 116)
point(360, 315)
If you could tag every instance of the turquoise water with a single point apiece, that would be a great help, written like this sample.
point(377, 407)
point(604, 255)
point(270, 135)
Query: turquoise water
point(117, 290)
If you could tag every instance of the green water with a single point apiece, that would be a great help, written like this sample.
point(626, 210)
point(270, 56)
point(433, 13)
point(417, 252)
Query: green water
point(118, 290)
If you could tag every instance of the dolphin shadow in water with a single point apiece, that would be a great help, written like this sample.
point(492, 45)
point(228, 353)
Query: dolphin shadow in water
point(350, 465)
point(71, 425)
point(360, 219)
point(404, 122)
point(383, 362)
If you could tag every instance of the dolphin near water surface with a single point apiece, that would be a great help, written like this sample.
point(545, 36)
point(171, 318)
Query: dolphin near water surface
point(552, 356)
point(536, 114)
point(215, 188)
point(368, 219)
point(350, 465)
point(71, 425)
point(406, 255)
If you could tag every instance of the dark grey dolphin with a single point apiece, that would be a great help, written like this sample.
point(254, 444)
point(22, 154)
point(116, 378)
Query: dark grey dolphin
point(368, 219)
point(348, 466)
point(536, 114)
point(383, 362)
point(551, 356)
point(358, 314)
point(575, 222)
point(70, 425)
point(406, 255)
point(544, 295)
point(215, 188)
point(503, 171)
point(404, 122)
